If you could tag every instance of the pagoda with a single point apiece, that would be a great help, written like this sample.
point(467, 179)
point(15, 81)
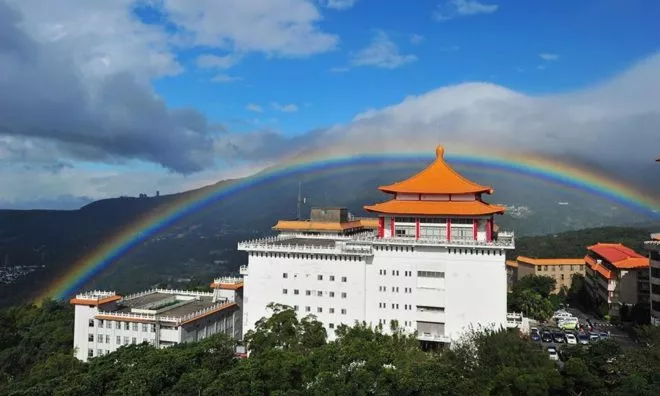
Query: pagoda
point(437, 204)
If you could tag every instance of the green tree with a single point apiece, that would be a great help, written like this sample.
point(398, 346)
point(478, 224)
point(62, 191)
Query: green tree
point(543, 285)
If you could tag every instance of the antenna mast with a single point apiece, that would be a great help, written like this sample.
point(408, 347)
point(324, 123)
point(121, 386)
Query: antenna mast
point(299, 200)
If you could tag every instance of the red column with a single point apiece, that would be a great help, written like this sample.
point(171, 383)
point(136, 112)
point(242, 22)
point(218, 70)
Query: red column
point(381, 226)
point(474, 229)
point(449, 229)
point(392, 227)
point(417, 228)
point(489, 230)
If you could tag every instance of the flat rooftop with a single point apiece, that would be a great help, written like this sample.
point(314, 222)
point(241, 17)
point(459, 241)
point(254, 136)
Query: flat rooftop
point(171, 304)
point(327, 243)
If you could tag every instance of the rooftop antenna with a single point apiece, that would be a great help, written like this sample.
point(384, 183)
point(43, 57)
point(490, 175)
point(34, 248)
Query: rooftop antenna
point(299, 200)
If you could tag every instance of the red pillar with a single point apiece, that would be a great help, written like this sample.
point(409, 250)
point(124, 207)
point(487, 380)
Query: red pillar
point(474, 229)
point(449, 229)
point(417, 228)
point(392, 227)
point(489, 230)
point(381, 226)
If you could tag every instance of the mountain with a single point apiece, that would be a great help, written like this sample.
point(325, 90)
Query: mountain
point(45, 243)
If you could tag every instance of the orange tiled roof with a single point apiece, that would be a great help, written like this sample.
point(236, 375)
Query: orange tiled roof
point(450, 208)
point(621, 257)
point(227, 286)
point(306, 225)
point(93, 301)
point(369, 223)
point(512, 263)
point(437, 178)
point(604, 272)
point(550, 261)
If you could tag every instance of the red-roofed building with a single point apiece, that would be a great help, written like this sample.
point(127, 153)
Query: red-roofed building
point(616, 274)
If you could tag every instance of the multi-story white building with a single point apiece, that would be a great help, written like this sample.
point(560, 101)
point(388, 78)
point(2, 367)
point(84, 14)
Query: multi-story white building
point(653, 247)
point(433, 261)
point(105, 321)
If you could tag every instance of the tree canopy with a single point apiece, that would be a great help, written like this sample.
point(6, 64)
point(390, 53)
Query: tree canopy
point(292, 356)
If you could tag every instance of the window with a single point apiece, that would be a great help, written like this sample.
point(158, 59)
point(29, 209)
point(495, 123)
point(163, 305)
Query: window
point(100, 339)
point(319, 293)
point(332, 310)
point(101, 323)
point(397, 272)
point(144, 340)
point(144, 327)
point(295, 308)
point(108, 324)
point(90, 337)
point(91, 323)
point(319, 310)
point(134, 340)
point(285, 275)
point(332, 278)
point(331, 325)
point(332, 294)
point(99, 352)
point(126, 325)
point(307, 309)
point(392, 305)
point(90, 353)
point(118, 340)
point(107, 339)
point(343, 311)
point(343, 295)
point(118, 325)
point(125, 340)
point(562, 276)
point(135, 327)
point(319, 277)
point(284, 291)
point(392, 272)
point(295, 291)
point(430, 274)
point(343, 279)
point(308, 292)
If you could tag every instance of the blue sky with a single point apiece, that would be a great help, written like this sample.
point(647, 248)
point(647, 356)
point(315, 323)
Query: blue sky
point(592, 39)
point(118, 97)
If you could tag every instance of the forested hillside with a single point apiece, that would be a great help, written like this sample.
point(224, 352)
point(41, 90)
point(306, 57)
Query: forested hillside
point(290, 356)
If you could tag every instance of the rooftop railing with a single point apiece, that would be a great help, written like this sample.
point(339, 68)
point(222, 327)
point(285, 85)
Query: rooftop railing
point(654, 243)
point(167, 318)
point(168, 291)
point(95, 295)
point(228, 279)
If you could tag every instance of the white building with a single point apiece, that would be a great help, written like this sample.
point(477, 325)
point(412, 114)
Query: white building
point(653, 247)
point(105, 321)
point(432, 260)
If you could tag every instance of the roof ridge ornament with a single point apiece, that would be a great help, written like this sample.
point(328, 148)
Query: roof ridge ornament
point(439, 152)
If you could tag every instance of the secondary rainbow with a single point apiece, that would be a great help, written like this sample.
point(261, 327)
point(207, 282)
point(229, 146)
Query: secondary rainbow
point(534, 166)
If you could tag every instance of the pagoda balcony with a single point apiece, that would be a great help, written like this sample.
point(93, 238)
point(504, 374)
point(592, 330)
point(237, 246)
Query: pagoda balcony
point(505, 240)
point(333, 246)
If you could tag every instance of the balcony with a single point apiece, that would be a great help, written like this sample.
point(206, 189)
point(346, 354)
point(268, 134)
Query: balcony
point(506, 240)
point(432, 337)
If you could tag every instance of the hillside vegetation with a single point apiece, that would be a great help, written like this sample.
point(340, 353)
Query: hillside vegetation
point(291, 356)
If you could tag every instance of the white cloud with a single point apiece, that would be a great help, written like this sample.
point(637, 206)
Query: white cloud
point(381, 52)
point(416, 39)
point(339, 69)
point(225, 78)
point(457, 8)
point(218, 62)
point(287, 108)
point(549, 57)
point(254, 107)
point(281, 28)
point(338, 4)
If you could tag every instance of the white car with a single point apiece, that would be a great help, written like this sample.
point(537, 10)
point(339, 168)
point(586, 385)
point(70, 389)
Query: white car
point(570, 339)
point(552, 353)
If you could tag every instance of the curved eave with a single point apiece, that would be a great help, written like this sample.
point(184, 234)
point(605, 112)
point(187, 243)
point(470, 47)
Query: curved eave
point(435, 208)
point(395, 189)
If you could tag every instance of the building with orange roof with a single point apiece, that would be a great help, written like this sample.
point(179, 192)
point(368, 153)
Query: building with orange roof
point(432, 259)
point(511, 273)
point(106, 321)
point(617, 275)
point(560, 269)
point(653, 247)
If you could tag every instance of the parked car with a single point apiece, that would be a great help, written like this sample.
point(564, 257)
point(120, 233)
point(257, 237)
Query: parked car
point(603, 335)
point(570, 339)
point(583, 338)
point(552, 353)
point(593, 337)
point(558, 337)
point(546, 336)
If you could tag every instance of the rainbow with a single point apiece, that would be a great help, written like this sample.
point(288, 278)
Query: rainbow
point(533, 166)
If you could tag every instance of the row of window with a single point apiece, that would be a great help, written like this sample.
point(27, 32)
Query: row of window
point(406, 323)
point(118, 325)
point(432, 220)
point(421, 274)
point(561, 267)
point(100, 338)
point(319, 309)
point(395, 289)
point(406, 307)
point(307, 256)
point(285, 275)
point(318, 293)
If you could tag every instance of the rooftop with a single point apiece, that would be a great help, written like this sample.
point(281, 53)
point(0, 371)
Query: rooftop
point(437, 178)
point(550, 261)
point(308, 225)
point(434, 208)
point(620, 256)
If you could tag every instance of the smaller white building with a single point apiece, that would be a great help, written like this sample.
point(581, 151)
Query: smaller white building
point(653, 246)
point(105, 321)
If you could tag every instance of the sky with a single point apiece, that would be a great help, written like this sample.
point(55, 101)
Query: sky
point(120, 97)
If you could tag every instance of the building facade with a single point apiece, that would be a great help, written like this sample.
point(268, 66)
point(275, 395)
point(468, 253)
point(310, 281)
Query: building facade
point(105, 321)
point(560, 269)
point(617, 275)
point(432, 261)
point(653, 246)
